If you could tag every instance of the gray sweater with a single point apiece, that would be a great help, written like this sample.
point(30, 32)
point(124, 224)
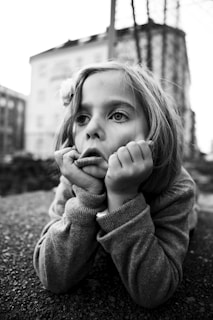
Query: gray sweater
point(147, 239)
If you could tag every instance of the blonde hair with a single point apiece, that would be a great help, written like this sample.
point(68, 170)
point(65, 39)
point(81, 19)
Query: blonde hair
point(163, 120)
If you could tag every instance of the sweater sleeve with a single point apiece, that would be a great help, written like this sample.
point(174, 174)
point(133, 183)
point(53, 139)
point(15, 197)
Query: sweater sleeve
point(148, 243)
point(66, 249)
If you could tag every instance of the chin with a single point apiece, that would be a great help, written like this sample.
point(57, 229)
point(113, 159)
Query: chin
point(95, 172)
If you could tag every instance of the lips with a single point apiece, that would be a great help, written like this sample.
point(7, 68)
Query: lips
point(92, 152)
point(91, 156)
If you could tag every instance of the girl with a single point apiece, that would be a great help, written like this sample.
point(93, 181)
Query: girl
point(122, 186)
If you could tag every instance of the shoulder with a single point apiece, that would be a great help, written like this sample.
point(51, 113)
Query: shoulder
point(183, 183)
point(180, 193)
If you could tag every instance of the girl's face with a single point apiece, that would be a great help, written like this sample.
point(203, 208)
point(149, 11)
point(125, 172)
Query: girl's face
point(108, 117)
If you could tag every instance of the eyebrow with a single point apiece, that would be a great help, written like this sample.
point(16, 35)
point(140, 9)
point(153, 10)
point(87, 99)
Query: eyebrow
point(109, 104)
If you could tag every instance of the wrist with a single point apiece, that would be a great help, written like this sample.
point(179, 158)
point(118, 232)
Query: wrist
point(90, 200)
point(96, 189)
point(116, 200)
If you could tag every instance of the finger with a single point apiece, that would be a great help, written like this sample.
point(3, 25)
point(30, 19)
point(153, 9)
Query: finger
point(65, 154)
point(94, 171)
point(64, 150)
point(71, 156)
point(145, 150)
point(150, 143)
point(135, 151)
point(113, 162)
point(84, 162)
point(124, 156)
point(59, 154)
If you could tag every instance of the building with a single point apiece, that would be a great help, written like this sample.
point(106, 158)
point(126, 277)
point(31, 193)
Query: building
point(162, 48)
point(12, 122)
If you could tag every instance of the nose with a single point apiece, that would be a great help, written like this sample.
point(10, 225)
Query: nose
point(95, 129)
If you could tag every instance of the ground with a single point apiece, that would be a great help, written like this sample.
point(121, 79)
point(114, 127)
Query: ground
point(101, 295)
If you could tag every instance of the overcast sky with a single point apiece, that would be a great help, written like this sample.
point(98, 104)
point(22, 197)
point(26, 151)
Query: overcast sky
point(28, 27)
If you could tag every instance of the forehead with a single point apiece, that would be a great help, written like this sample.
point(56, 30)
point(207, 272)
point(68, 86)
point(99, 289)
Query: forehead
point(109, 81)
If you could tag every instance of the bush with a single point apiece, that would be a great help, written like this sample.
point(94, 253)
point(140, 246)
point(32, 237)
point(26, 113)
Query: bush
point(24, 174)
point(202, 172)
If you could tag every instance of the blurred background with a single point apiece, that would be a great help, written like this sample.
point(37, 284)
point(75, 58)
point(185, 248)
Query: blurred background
point(44, 42)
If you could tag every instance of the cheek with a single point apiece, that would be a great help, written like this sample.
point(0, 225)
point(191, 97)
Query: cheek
point(77, 139)
point(122, 139)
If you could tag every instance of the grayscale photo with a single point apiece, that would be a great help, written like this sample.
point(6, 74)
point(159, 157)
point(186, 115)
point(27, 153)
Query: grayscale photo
point(106, 160)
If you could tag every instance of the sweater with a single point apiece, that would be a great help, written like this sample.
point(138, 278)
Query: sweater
point(147, 239)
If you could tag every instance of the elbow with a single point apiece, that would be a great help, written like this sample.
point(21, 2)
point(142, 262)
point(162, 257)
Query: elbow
point(51, 279)
point(57, 287)
point(152, 300)
point(54, 283)
point(151, 294)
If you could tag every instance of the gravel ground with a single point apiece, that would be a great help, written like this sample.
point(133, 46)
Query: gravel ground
point(101, 295)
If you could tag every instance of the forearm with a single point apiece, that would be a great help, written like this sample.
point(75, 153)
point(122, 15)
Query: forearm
point(66, 250)
point(148, 257)
point(64, 254)
point(115, 200)
point(148, 273)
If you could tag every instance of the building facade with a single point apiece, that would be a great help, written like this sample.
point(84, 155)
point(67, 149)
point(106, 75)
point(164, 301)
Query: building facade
point(162, 48)
point(12, 122)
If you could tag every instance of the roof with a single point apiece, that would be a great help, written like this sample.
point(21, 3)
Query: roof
point(11, 92)
point(120, 33)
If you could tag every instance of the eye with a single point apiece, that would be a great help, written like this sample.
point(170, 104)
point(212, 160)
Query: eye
point(82, 119)
point(119, 116)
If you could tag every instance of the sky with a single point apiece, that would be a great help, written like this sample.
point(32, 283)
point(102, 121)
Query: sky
point(28, 27)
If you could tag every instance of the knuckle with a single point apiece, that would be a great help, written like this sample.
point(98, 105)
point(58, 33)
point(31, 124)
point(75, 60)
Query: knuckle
point(131, 144)
point(142, 142)
point(65, 156)
point(112, 159)
point(57, 154)
point(121, 149)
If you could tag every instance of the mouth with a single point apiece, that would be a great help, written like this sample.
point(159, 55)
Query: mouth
point(91, 156)
point(92, 152)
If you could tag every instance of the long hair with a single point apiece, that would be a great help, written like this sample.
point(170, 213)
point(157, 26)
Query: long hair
point(163, 120)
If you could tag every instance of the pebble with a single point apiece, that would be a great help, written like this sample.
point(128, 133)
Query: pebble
point(190, 299)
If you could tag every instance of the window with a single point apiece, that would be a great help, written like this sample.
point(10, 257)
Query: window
point(11, 104)
point(20, 107)
point(2, 115)
point(39, 144)
point(11, 117)
point(2, 101)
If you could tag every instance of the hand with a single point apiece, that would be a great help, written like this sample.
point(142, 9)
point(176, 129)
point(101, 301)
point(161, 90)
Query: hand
point(128, 168)
point(65, 159)
point(97, 171)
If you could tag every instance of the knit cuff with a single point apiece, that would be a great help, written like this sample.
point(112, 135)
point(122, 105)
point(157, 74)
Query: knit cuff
point(90, 200)
point(110, 221)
